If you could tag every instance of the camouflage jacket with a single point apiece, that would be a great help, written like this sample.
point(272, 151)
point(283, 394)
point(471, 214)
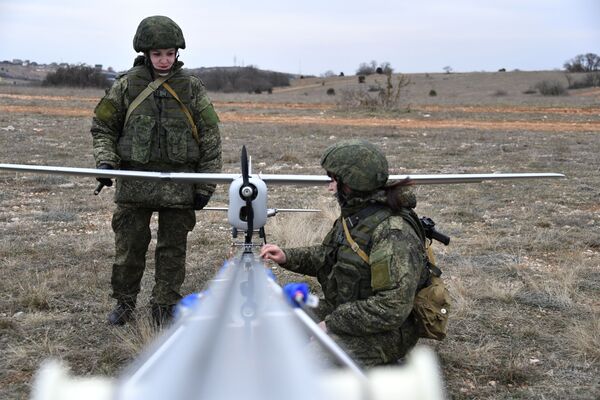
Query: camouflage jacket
point(157, 137)
point(366, 298)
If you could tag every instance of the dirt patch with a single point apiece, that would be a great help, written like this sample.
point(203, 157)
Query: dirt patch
point(405, 123)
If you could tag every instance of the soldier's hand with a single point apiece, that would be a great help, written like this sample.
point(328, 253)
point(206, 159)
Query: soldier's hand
point(323, 326)
point(273, 252)
point(200, 201)
point(105, 181)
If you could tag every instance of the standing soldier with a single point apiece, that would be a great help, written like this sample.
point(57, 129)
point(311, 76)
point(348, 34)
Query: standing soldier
point(155, 117)
point(371, 263)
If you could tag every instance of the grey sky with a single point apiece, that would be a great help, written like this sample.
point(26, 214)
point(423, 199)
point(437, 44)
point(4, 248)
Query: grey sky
point(311, 37)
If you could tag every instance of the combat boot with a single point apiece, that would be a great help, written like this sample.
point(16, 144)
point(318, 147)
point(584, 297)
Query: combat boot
point(162, 314)
point(122, 313)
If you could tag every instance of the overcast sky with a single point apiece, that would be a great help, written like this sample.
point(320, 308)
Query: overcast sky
point(311, 37)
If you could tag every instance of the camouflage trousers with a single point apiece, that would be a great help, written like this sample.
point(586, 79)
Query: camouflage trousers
point(368, 350)
point(132, 237)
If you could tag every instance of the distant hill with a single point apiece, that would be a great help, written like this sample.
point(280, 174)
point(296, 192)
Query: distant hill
point(220, 79)
point(25, 72)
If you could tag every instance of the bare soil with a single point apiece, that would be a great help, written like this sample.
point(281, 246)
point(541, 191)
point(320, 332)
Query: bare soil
point(523, 266)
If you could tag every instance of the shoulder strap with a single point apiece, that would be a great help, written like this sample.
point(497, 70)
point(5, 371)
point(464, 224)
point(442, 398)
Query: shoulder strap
point(152, 86)
point(371, 209)
point(414, 221)
point(185, 111)
point(356, 219)
point(353, 245)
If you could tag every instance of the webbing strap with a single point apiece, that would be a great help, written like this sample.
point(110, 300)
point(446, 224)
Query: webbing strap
point(152, 86)
point(185, 111)
point(353, 245)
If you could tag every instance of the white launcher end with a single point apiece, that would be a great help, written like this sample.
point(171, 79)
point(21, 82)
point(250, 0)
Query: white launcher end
point(418, 379)
point(54, 382)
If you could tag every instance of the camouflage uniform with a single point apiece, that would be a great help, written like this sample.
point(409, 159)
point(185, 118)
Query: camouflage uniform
point(367, 306)
point(156, 137)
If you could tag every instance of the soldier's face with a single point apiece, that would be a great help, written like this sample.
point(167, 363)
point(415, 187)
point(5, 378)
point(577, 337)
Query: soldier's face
point(163, 59)
point(332, 187)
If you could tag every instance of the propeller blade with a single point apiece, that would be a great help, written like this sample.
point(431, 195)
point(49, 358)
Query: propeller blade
point(249, 221)
point(244, 162)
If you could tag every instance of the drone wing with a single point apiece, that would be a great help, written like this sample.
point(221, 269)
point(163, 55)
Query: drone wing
point(275, 179)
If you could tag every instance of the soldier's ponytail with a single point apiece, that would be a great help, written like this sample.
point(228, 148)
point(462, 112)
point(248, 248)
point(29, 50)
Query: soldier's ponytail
point(399, 195)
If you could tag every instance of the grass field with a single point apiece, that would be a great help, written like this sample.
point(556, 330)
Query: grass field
point(523, 266)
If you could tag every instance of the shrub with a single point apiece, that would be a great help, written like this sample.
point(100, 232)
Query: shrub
point(589, 80)
point(367, 69)
point(240, 79)
point(500, 93)
point(331, 92)
point(372, 68)
point(432, 93)
point(387, 96)
point(78, 76)
point(551, 88)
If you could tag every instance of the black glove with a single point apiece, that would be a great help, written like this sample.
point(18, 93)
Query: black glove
point(200, 201)
point(105, 181)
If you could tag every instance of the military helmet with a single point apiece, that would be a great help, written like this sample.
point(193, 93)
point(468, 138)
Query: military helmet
point(357, 163)
point(158, 32)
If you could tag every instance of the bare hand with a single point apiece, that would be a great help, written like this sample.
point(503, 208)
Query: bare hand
point(274, 253)
point(323, 326)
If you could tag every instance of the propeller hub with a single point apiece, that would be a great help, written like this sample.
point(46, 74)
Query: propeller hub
point(247, 192)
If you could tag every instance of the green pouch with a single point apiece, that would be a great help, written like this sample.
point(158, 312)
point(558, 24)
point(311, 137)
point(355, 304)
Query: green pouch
point(431, 307)
point(178, 133)
point(136, 142)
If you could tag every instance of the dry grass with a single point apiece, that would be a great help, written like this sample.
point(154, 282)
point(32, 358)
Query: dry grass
point(522, 267)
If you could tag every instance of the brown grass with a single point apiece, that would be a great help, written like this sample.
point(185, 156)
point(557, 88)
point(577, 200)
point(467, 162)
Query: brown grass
point(522, 267)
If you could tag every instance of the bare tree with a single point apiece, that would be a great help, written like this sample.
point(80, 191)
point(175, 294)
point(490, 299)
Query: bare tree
point(583, 63)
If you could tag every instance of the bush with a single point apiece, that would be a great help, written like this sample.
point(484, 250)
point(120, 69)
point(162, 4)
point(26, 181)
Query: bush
point(331, 92)
point(372, 68)
point(589, 80)
point(387, 97)
point(432, 93)
point(241, 79)
point(78, 76)
point(551, 88)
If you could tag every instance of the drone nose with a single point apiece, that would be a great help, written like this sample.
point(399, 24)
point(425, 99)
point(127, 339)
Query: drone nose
point(247, 192)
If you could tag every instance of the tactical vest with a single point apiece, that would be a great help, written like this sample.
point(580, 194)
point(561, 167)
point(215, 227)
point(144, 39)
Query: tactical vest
point(158, 133)
point(344, 275)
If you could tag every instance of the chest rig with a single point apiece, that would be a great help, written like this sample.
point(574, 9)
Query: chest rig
point(345, 276)
point(157, 130)
point(138, 79)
